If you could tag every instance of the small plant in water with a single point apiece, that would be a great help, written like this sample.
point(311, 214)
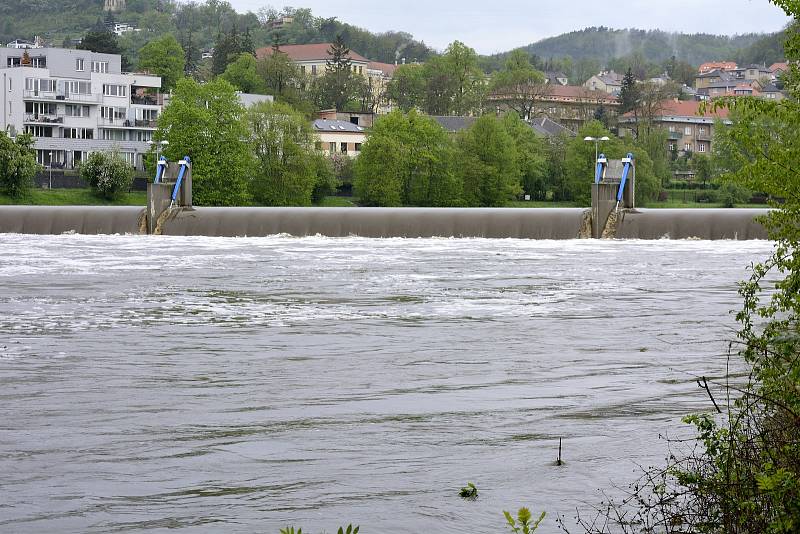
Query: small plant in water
point(469, 492)
point(291, 530)
point(524, 523)
point(349, 530)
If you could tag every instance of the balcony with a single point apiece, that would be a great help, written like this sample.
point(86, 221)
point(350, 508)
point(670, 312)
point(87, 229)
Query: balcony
point(32, 118)
point(674, 136)
point(127, 123)
point(704, 137)
point(52, 96)
point(145, 100)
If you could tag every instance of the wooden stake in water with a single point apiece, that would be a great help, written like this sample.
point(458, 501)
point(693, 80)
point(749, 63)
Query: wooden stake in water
point(558, 462)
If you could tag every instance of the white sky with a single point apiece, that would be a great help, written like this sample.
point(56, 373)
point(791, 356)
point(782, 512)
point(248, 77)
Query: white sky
point(500, 25)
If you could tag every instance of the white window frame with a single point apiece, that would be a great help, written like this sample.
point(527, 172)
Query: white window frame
point(79, 64)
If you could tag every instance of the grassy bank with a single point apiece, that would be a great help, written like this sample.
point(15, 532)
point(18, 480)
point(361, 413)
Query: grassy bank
point(74, 197)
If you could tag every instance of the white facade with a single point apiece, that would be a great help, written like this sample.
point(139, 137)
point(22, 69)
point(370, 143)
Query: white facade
point(75, 102)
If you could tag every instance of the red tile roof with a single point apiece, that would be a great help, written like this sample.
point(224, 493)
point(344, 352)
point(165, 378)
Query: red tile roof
point(779, 66)
point(717, 65)
point(387, 68)
point(580, 92)
point(307, 52)
point(687, 108)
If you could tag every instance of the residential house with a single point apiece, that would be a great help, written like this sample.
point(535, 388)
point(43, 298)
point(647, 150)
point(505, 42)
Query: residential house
point(280, 22)
point(339, 137)
point(756, 73)
point(23, 44)
point(75, 102)
point(556, 78)
point(359, 118)
point(690, 128)
point(706, 79)
point(544, 127)
point(777, 69)
point(717, 65)
point(771, 92)
point(607, 81)
point(114, 5)
point(312, 59)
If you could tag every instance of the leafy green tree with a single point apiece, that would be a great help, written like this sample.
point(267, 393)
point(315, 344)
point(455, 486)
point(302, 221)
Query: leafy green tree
point(407, 87)
point(489, 164)
point(17, 164)
point(207, 123)
point(243, 74)
point(163, 57)
point(108, 174)
point(339, 87)
point(467, 79)
point(286, 170)
point(407, 160)
point(531, 156)
point(518, 85)
point(101, 41)
point(281, 76)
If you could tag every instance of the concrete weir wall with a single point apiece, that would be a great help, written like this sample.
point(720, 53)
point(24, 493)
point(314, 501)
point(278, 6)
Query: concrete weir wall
point(524, 223)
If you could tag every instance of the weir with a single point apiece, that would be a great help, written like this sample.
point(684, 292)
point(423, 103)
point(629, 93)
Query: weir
point(170, 211)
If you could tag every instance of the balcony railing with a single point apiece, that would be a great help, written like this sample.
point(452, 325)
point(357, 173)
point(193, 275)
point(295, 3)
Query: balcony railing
point(127, 123)
point(72, 97)
point(674, 136)
point(704, 137)
point(145, 100)
point(42, 118)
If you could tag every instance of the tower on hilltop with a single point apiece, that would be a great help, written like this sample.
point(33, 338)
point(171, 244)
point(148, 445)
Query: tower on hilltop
point(114, 5)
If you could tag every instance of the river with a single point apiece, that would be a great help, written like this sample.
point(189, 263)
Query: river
point(150, 384)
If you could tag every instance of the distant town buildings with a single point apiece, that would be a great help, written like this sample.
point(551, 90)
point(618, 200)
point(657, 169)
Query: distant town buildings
point(690, 128)
point(75, 102)
point(114, 5)
point(607, 81)
point(339, 137)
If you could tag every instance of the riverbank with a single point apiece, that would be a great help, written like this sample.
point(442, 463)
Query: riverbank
point(85, 197)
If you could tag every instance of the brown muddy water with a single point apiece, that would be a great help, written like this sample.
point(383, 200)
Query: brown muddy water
point(154, 384)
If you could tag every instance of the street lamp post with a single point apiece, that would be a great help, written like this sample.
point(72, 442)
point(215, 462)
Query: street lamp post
point(597, 141)
point(159, 146)
point(50, 183)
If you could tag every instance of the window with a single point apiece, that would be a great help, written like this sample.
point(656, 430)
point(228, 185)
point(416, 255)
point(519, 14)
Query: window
point(672, 129)
point(672, 147)
point(303, 70)
point(343, 147)
point(78, 88)
point(688, 147)
point(358, 147)
point(115, 90)
point(14, 61)
point(314, 70)
point(38, 85)
point(78, 133)
point(701, 147)
point(39, 131)
point(75, 110)
point(332, 147)
point(702, 131)
point(79, 65)
point(687, 130)
point(100, 66)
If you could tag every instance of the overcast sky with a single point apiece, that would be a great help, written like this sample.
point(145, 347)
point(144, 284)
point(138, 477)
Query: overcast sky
point(499, 25)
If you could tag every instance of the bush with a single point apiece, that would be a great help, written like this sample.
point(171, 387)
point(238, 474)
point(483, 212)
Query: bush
point(325, 183)
point(17, 164)
point(730, 194)
point(107, 174)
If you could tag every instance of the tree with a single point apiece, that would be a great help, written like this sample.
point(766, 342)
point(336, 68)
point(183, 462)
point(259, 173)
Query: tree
point(461, 63)
point(519, 86)
point(17, 164)
point(102, 41)
point(339, 87)
point(286, 170)
point(108, 174)
point(206, 122)
point(489, 164)
point(243, 74)
point(163, 57)
point(531, 156)
point(191, 54)
point(282, 78)
point(628, 94)
point(407, 87)
point(407, 160)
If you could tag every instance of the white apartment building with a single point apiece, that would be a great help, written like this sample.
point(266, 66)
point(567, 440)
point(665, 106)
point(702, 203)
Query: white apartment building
point(75, 102)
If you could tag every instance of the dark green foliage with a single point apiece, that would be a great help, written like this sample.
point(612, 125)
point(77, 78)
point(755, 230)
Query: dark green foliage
point(407, 160)
point(243, 74)
point(17, 164)
point(107, 174)
point(206, 122)
point(469, 492)
point(287, 169)
point(629, 94)
point(163, 57)
point(488, 165)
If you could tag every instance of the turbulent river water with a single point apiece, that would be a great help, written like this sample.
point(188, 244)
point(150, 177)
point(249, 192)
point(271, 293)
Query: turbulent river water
point(243, 385)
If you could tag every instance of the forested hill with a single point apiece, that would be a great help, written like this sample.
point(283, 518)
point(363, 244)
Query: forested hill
point(604, 44)
point(199, 22)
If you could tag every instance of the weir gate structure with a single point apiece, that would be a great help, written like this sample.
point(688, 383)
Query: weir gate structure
point(170, 211)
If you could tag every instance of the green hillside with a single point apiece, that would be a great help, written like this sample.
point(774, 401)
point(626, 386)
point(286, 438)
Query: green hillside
point(604, 44)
